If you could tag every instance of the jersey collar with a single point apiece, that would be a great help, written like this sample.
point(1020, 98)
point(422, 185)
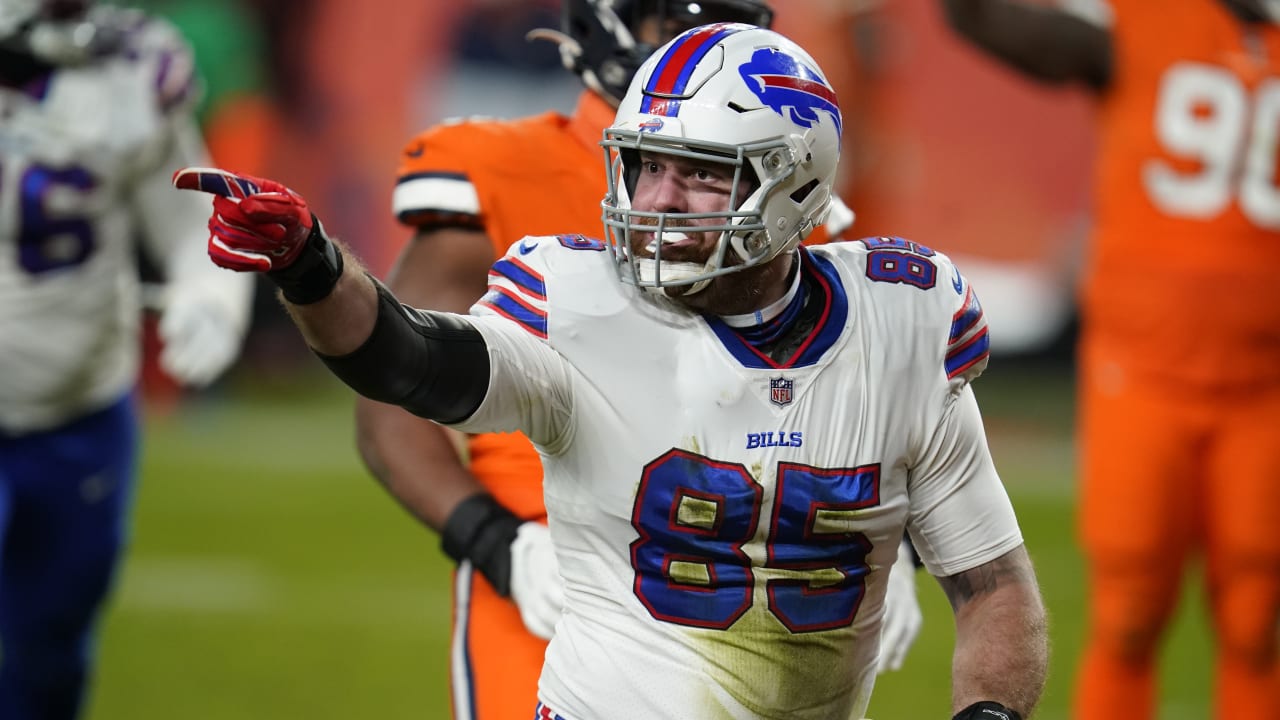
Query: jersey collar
point(827, 290)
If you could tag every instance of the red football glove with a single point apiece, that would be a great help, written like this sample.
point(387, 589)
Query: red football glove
point(257, 225)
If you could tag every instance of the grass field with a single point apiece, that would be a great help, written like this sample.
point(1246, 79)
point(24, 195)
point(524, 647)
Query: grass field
point(270, 577)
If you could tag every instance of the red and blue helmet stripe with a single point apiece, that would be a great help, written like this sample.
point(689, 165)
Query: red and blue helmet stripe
point(783, 82)
point(670, 77)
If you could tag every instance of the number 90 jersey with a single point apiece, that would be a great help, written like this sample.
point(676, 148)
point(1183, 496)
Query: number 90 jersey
point(1181, 285)
point(724, 523)
point(85, 157)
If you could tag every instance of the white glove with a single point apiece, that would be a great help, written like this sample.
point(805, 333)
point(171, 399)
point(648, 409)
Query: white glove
point(536, 586)
point(902, 616)
point(200, 333)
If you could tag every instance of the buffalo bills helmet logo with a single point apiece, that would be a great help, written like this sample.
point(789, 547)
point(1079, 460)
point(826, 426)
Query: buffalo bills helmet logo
point(794, 90)
point(653, 124)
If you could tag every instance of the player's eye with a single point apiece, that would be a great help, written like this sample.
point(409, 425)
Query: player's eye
point(714, 177)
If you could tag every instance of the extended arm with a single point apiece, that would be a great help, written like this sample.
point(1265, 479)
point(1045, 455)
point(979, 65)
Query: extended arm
point(433, 364)
point(1046, 43)
point(1001, 653)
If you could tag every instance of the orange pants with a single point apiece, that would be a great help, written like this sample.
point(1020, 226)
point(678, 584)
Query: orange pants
point(495, 661)
point(1171, 473)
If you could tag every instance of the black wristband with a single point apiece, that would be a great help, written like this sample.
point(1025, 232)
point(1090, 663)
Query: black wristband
point(481, 530)
point(313, 274)
point(987, 710)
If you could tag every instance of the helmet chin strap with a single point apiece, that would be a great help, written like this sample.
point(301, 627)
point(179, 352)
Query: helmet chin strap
point(672, 272)
point(676, 271)
point(773, 309)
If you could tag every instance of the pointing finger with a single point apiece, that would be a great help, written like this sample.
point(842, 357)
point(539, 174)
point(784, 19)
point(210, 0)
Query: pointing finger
point(216, 181)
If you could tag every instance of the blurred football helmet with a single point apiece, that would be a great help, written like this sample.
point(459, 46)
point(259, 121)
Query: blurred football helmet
point(601, 40)
point(55, 31)
point(1255, 10)
point(738, 95)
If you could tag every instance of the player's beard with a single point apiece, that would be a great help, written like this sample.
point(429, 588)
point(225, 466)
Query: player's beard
point(734, 293)
point(677, 257)
point(741, 292)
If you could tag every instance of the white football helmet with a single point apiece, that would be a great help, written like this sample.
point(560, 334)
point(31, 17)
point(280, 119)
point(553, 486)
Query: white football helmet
point(739, 95)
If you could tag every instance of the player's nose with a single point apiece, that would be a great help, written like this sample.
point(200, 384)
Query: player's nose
point(665, 193)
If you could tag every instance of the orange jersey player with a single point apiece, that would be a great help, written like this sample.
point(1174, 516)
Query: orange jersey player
point(1180, 347)
point(470, 189)
point(466, 191)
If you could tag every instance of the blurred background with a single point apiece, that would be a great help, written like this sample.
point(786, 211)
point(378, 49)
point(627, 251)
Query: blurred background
point(269, 574)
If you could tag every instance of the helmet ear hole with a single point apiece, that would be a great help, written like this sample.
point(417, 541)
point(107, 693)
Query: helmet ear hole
point(799, 194)
point(755, 243)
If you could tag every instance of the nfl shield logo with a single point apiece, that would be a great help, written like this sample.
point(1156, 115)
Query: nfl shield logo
point(780, 390)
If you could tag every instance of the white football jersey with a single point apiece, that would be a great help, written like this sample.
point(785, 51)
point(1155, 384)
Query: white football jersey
point(86, 155)
point(724, 523)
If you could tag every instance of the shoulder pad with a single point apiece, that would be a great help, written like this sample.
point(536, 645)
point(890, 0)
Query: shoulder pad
point(947, 300)
point(517, 287)
point(517, 281)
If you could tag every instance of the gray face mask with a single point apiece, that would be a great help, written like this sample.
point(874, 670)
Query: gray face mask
point(61, 32)
point(62, 44)
point(68, 42)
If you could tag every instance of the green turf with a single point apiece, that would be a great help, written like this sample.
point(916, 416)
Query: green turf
point(270, 577)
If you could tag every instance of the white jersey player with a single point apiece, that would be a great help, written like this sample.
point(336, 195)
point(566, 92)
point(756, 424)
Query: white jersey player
point(711, 505)
point(86, 153)
point(735, 430)
point(95, 116)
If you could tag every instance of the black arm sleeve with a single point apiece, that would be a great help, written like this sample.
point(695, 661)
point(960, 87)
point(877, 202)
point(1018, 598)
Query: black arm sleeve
point(432, 364)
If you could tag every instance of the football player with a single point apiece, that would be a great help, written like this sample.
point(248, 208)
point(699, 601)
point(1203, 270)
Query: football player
point(95, 115)
point(1179, 351)
point(734, 429)
point(468, 200)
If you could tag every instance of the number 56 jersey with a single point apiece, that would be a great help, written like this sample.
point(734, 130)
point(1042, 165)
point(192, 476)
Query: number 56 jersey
point(86, 152)
point(725, 523)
